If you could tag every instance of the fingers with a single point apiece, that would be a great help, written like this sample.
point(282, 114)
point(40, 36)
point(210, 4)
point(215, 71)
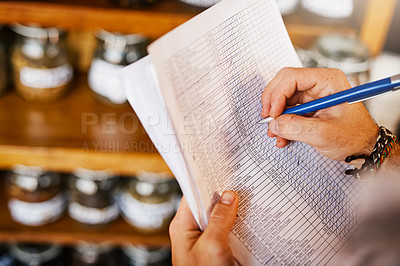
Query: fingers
point(184, 218)
point(297, 128)
point(222, 217)
point(281, 142)
point(183, 229)
point(288, 85)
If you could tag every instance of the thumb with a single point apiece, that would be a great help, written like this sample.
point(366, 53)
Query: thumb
point(223, 216)
point(297, 128)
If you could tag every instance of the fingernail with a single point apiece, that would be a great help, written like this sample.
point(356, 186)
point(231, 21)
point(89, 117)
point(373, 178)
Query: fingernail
point(228, 198)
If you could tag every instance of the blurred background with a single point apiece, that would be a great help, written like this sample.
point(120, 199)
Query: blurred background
point(80, 181)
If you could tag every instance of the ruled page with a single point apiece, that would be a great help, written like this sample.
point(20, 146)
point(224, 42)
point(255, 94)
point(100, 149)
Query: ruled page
point(295, 206)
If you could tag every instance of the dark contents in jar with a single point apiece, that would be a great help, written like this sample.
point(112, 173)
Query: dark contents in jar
point(5, 257)
point(92, 197)
point(102, 194)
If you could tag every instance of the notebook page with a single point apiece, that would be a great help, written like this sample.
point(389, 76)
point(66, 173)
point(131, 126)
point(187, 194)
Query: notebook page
point(295, 206)
point(144, 95)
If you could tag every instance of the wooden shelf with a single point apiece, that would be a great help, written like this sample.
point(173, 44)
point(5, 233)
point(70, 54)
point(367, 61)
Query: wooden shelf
point(156, 20)
point(152, 21)
point(68, 232)
point(75, 131)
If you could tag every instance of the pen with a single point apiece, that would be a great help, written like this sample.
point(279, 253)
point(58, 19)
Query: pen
point(353, 95)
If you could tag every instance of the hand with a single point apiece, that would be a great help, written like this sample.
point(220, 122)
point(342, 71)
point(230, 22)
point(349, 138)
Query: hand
point(190, 246)
point(336, 132)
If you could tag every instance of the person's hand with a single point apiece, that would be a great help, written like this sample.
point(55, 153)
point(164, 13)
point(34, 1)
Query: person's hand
point(190, 246)
point(336, 132)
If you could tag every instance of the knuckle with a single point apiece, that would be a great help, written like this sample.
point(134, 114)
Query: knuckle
point(285, 119)
point(287, 70)
point(337, 72)
point(173, 228)
point(218, 215)
point(282, 70)
point(216, 248)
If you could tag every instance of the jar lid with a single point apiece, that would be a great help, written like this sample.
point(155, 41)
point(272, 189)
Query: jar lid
point(39, 33)
point(91, 252)
point(118, 39)
point(343, 52)
point(152, 177)
point(143, 254)
point(93, 175)
point(98, 248)
point(25, 170)
point(34, 254)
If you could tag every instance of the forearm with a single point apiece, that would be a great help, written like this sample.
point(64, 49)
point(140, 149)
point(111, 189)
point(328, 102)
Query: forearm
point(392, 161)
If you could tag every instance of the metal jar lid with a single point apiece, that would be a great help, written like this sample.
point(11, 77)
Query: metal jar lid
point(117, 39)
point(90, 252)
point(34, 254)
point(118, 46)
point(90, 181)
point(31, 178)
point(143, 255)
point(38, 33)
point(343, 52)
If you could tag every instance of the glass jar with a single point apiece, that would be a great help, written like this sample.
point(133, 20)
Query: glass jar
point(329, 8)
point(92, 197)
point(148, 202)
point(41, 70)
point(89, 254)
point(3, 64)
point(35, 196)
point(114, 51)
point(345, 53)
point(146, 256)
point(5, 257)
point(36, 255)
point(287, 7)
point(134, 3)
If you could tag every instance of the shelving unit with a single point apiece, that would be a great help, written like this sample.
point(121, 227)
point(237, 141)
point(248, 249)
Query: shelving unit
point(91, 15)
point(76, 131)
point(68, 232)
point(157, 20)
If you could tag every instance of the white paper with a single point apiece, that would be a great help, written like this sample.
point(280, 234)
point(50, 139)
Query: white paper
point(143, 94)
point(295, 206)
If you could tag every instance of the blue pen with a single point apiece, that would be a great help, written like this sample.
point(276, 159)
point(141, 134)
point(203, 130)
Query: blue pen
point(353, 95)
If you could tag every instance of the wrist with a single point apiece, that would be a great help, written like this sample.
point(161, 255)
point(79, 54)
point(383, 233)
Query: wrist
point(385, 142)
point(369, 142)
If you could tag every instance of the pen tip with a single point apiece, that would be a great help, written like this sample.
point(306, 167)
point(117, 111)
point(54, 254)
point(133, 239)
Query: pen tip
point(266, 120)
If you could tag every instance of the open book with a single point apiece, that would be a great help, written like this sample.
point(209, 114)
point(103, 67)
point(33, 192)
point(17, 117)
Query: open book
point(197, 95)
